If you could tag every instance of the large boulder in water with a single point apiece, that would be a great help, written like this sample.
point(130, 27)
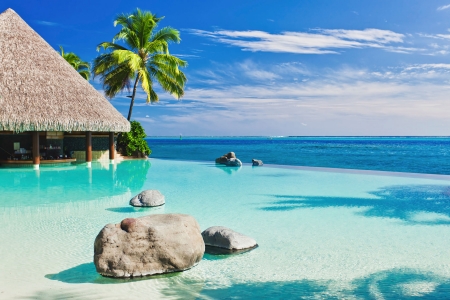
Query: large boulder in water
point(223, 237)
point(148, 245)
point(149, 198)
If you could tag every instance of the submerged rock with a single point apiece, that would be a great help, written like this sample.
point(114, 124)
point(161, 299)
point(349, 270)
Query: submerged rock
point(223, 237)
point(148, 198)
point(257, 162)
point(149, 245)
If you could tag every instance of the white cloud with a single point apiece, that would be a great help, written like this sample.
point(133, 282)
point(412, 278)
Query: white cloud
point(443, 36)
point(186, 55)
point(253, 72)
point(46, 23)
point(436, 36)
point(443, 7)
point(325, 41)
point(371, 35)
point(144, 120)
point(428, 66)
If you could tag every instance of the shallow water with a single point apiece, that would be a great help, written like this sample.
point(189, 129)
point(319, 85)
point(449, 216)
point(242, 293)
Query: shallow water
point(320, 234)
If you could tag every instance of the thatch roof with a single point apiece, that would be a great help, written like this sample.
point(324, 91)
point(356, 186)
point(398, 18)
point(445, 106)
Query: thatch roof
point(40, 91)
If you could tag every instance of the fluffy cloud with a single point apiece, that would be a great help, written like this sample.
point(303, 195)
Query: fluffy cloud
point(319, 41)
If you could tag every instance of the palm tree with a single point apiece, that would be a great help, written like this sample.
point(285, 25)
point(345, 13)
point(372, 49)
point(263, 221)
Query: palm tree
point(146, 59)
point(82, 67)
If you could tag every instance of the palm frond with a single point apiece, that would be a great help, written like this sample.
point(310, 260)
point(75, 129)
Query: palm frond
point(85, 74)
point(116, 80)
point(110, 46)
point(169, 84)
point(146, 82)
point(167, 34)
point(82, 67)
point(153, 96)
point(134, 60)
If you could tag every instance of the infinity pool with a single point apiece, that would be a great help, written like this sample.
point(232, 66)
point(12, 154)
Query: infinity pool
point(321, 233)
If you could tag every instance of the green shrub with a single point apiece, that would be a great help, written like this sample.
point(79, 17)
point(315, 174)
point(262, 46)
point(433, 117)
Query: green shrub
point(133, 143)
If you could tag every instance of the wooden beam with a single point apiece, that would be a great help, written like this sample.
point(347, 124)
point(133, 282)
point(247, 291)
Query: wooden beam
point(112, 149)
point(88, 148)
point(36, 155)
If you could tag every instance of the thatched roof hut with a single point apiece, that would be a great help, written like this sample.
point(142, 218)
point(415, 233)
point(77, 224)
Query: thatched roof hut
point(40, 91)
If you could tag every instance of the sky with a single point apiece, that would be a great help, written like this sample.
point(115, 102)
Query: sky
point(279, 68)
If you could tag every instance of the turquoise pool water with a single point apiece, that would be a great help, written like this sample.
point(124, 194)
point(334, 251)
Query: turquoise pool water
point(321, 234)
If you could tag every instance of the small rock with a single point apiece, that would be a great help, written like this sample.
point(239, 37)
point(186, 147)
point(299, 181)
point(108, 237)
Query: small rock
point(149, 245)
point(257, 162)
point(223, 237)
point(148, 198)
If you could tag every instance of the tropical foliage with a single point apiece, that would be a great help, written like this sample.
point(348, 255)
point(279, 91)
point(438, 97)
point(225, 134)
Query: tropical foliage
point(143, 57)
point(133, 143)
point(82, 67)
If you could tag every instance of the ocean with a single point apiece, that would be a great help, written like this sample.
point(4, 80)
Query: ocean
point(399, 154)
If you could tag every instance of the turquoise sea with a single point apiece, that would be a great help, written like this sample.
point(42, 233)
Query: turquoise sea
point(323, 233)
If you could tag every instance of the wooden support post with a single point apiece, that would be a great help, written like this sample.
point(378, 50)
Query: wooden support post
point(88, 148)
point(112, 149)
point(36, 155)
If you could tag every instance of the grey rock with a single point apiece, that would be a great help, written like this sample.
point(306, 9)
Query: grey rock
point(223, 159)
point(257, 162)
point(233, 162)
point(149, 245)
point(223, 237)
point(148, 198)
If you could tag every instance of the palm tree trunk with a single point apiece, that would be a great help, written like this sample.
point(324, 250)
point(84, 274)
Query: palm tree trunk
point(132, 98)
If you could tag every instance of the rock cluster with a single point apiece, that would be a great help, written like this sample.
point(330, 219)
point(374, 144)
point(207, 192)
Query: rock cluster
point(148, 245)
point(225, 238)
point(149, 198)
point(229, 159)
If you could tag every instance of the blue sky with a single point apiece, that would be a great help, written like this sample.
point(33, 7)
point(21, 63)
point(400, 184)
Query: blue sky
point(338, 67)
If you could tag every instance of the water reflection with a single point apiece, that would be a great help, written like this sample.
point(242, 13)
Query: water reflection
point(86, 273)
point(417, 204)
point(227, 169)
point(132, 209)
point(389, 284)
point(27, 187)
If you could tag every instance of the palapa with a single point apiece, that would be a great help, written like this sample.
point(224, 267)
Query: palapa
point(40, 91)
